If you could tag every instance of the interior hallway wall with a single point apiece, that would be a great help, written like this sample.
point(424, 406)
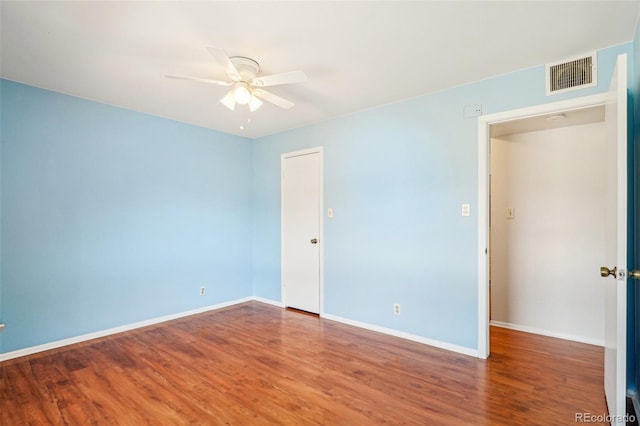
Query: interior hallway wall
point(545, 260)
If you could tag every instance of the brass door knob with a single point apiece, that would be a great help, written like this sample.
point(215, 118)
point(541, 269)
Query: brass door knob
point(605, 272)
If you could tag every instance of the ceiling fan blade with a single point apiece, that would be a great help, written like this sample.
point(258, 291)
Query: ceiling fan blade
point(201, 80)
point(281, 78)
point(223, 59)
point(274, 99)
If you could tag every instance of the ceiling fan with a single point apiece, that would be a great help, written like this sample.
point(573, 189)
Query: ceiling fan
point(247, 86)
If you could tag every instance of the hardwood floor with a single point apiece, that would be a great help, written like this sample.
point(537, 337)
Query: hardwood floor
point(260, 365)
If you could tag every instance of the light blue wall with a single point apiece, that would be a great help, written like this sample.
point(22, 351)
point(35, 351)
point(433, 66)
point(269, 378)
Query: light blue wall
point(395, 177)
point(111, 216)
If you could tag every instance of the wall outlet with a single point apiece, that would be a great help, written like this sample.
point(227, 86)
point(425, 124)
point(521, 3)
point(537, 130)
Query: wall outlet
point(396, 308)
point(202, 291)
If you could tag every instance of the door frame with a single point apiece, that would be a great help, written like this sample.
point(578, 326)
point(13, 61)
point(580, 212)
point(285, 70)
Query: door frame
point(484, 125)
point(283, 157)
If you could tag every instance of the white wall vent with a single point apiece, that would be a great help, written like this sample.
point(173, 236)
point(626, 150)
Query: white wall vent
point(573, 74)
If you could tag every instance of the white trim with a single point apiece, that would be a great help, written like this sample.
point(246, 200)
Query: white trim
point(408, 336)
point(316, 150)
point(268, 301)
point(484, 124)
point(543, 332)
point(127, 327)
point(483, 238)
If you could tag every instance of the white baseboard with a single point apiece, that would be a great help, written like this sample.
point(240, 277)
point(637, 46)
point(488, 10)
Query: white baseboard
point(543, 332)
point(415, 338)
point(127, 327)
point(268, 301)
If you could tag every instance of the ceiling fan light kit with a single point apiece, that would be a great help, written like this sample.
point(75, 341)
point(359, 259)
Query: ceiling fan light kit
point(242, 93)
point(254, 103)
point(229, 100)
point(247, 86)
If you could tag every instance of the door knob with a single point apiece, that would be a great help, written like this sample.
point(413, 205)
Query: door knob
point(635, 274)
point(314, 241)
point(605, 272)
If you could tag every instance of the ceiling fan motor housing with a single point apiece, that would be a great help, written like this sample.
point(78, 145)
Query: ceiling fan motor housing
point(247, 67)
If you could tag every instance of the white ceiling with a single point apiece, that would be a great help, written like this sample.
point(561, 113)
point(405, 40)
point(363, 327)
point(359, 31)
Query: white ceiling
point(357, 55)
point(575, 117)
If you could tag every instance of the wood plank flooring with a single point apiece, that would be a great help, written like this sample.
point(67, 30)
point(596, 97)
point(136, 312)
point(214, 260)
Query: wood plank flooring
point(260, 365)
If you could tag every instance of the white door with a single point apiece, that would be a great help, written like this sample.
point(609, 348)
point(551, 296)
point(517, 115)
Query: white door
point(301, 194)
point(615, 358)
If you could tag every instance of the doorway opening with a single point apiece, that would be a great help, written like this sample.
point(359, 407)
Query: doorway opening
point(513, 147)
point(547, 224)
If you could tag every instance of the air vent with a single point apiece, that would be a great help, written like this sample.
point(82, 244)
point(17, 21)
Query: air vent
point(573, 74)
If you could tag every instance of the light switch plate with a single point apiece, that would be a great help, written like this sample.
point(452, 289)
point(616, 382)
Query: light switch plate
point(510, 213)
point(329, 212)
point(471, 111)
